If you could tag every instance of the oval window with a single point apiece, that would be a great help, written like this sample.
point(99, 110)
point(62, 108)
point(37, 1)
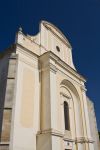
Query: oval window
point(58, 49)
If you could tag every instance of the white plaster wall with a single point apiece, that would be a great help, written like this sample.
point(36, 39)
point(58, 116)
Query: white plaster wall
point(23, 134)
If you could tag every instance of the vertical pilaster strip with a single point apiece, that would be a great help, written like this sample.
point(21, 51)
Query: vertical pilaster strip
point(53, 96)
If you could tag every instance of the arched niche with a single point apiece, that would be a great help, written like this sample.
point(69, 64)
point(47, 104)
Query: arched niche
point(69, 93)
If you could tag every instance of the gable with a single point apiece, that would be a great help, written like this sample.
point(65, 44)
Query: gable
point(52, 39)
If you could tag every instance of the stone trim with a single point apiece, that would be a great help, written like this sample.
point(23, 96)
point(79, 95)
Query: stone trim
point(63, 94)
point(68, 139)
point(53, 68)
point(83, 140)
point(52, 132)
point(61, 63)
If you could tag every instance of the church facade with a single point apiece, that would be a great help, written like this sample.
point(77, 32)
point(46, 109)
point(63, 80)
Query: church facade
point(43, 102)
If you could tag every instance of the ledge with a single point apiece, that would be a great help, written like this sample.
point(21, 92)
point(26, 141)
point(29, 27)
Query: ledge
point(83, 140)
point(51, 131)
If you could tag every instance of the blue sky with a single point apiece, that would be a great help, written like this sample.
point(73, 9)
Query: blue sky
point(79, 20)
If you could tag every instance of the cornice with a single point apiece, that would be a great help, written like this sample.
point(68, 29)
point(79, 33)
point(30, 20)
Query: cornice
point(53, 68)
point(65, 66)
point(25, 50)
point(52, 132)
point(57, 61)
point(68, 139)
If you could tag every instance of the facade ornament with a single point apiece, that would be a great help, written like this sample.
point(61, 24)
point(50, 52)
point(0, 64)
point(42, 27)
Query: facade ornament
point(20, 29)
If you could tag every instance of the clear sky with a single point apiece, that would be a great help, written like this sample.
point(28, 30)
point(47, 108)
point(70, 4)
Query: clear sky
point(79, 20)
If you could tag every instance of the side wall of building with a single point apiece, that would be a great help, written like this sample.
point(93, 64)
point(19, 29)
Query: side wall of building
point(7, 80)
point(93, 124)
point(25, 118)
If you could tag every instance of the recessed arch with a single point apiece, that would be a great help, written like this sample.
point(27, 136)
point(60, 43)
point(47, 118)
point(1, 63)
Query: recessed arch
point(65, 91)
point(75, 110)
point(70, 86)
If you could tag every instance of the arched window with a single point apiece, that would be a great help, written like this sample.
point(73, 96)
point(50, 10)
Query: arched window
point(66, 115)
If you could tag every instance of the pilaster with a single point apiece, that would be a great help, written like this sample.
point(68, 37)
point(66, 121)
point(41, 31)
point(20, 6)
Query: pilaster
point(87, 132)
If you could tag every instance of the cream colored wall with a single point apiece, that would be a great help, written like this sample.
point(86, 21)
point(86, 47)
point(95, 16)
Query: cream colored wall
point(75, 102)
point(28, 43)
point(26, 116)
point(80, 109)
point(54, 76)
point(79, 123)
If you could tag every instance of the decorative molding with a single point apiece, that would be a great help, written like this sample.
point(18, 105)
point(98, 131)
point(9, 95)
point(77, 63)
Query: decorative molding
point(83, 140)
point(52, 132)
point(25, 50)
point(68, 139)
point(63, 94)
point(53, 68)
point(65, 66)
point(58, 133)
